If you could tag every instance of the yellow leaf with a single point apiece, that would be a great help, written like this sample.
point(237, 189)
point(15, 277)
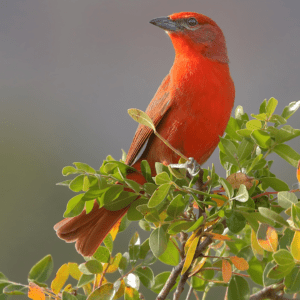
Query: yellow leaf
point(240, 263)
point(219, 201)
point(120, 292)
point(60, 279)
point(258, 251)
point(298, 171)
point(68, 287)
point(74, 270)
point(270, 242)
point(200, 264)
point(207, 224)
point(295, 246)
point(190, 255)
point(226, 270)
point(113, 267)
point(217, 245)
point(35, 292)
point(190, 240)
point(115, 230)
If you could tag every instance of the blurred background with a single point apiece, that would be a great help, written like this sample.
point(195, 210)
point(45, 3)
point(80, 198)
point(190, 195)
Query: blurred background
point(70, 70)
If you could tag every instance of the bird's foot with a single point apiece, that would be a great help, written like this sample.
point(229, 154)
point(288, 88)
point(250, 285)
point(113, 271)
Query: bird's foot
point(190, 165)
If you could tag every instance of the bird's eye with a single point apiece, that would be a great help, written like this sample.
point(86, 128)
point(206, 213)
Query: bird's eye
point(192, 21)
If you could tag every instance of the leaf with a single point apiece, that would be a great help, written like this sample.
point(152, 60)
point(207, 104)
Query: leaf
point(283, 257)
point(295, 246)
point(290, 109)
point(141, 117)
point(159, 195)
point(177, 206)
point(227, 186)
point(76, 185)
point(93, 266)
point(236, 222)
point(242, 194)
point(288, 154)
point(275, 183)
point(146, 171)
point(74, 270)
point(146, 276)
point(271, 106)
point(261, 138)
point(190, 254)
point(131, 293)
point(262, 108)
point(42, 270)
point(286, 199)
point(113, 267)
point(292, 281)
point(84, 167)
point(258, 251)
point(226, 270)
point(162, 178)
point(171, 255)
point(195, 225)
point(232, 127)
point(256, 269)
point(35, 292)
point(15, 289)
point(60, 279)
point(245, 148)
point(280, 271)
point(104, 292)
point(238, 289)
point(74, 206)
point(268, 213)
point(253, 125)
point(122, 200)
point(133, 214)
point(240, 263)
point(160, 280)
point(159, 240)
point(85, 279)
point(69, 170)
point(267, 238)
point(179, 226)
point(229, 148)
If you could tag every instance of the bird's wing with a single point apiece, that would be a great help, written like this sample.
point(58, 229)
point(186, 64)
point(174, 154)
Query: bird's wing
point(156, 109)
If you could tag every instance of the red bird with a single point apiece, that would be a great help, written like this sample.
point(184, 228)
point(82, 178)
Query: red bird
point(190, 109)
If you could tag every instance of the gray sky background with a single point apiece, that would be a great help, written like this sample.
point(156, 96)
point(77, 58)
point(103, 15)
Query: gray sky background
point(70, 70)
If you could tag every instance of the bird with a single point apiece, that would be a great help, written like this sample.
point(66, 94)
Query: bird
point(190, 109)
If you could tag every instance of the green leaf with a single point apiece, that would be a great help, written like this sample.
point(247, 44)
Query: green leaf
point(149, 188)
point(287, 153)
point(171, 256)
point(278, 120)
point(238, 288)
point(271, 106)
point(245, 149)
point(283, 257)
point(105, 292)
point(68, 170)
point(280, 271)
point(292, 280)
point(76, 185)
point(146, 276)
point(84, 167)
point(134, 247)
point(236, 222)
point(263, 106)
point(133, 185)
point(162, 178)
point(253, 125)
point(93, 266)
point(290, 109)
point(177, 206)
point(159, 240)
point(262, 116)
point(141, 117)
point(111, 193)
point(256, 269)
point(232, 127)
point(123, 200)
point(159, 195)
point(229, 148)
point(108, 242)
point(144, 249)
point(286, 199)
point(74, 206)
point(227, 186)
point(146, 171)
point(261, 138)
point(160, 280)
point(275, 183)
point(286, 239)
point(102, 254)
point(268, 213)
point(179, 226)
point(244, 132)
point(242, 194)
point(151, 214)
point(15, 289)
point(68, 296)
point(145, 225)
point(85, 279)
point(284, 134)
point(196, 225)
point(133, 214)
point(42, 270)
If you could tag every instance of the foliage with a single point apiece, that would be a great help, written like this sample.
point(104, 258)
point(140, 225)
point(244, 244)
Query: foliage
point(216, 233)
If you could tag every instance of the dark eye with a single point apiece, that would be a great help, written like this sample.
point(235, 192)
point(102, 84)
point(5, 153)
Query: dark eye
point(192, 21)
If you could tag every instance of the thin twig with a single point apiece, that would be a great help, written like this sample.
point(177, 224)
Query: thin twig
point(270, 293)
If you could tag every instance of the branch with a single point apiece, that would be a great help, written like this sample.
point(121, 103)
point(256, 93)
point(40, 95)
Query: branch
point(270, 293)
point(177, 270)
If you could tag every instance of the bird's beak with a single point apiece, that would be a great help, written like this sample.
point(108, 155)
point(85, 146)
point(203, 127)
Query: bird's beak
point(166, 23)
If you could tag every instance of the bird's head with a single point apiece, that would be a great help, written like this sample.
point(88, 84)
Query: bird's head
point(193, 33)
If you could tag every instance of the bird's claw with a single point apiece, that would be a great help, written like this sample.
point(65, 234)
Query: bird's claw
point(190, 165)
